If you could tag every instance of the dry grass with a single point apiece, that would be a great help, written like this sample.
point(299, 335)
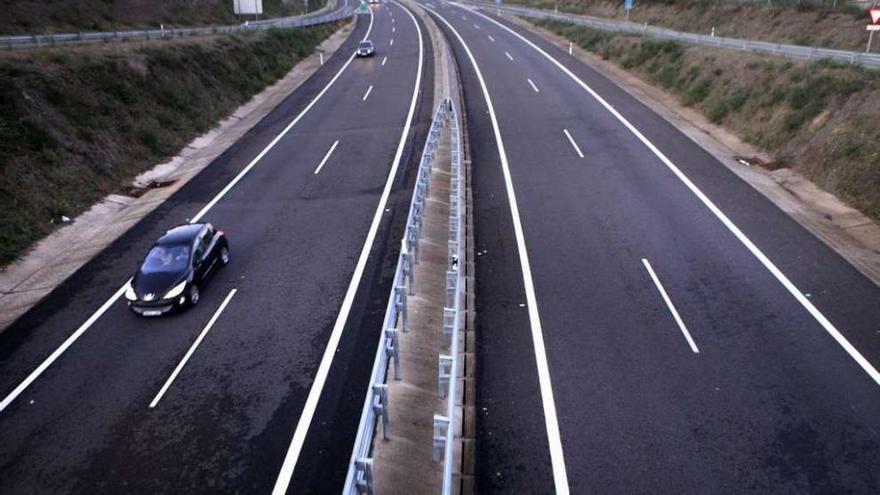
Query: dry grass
point(818, 118)
point(809, 26)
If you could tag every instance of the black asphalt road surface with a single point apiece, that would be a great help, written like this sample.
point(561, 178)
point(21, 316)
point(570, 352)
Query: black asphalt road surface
point(225, 424)
point(770, 404)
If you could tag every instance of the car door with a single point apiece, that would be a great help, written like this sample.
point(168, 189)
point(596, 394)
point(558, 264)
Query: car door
point(212, 258)
point(200, 256)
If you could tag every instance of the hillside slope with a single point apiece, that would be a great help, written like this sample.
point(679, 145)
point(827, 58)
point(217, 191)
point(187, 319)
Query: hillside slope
point(806, 25)
point(79, 124)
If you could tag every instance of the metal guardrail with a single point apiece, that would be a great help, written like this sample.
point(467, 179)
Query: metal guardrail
point(444, 427)
point(360, 469)
point(40, 40)
point(870, 60)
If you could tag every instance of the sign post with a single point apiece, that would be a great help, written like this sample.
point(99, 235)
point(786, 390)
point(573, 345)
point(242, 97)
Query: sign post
point(628, 5)
point(874, 12)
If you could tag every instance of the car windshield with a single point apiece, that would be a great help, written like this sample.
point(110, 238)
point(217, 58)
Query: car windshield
point(366, 44)
point(174, 258)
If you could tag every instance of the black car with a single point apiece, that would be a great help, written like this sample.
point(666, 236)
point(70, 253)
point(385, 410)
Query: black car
point(366, 49)
point(176, 267)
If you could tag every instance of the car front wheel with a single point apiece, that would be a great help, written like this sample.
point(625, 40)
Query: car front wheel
point(193, 295)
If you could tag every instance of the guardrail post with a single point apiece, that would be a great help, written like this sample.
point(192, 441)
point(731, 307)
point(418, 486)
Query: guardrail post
point(441, 423)
point(453, 231)
point(364, 466)
point(452, 249)
point(444, 374)
point(380, 406)
point(451, 288)
point(449, 318)
point(400, 301)
point(407, 267)
point(414, 233)
point(392, 349)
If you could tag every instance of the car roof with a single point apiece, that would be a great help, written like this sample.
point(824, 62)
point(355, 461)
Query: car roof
point(181, 233)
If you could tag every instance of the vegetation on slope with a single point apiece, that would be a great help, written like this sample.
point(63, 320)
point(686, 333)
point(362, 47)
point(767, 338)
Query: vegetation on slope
point(818, 118)
point(78, 125)
point(801, 24)
point(66, 16)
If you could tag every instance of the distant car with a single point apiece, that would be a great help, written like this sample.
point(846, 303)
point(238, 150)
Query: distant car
point(176, 268)
point(366, 49)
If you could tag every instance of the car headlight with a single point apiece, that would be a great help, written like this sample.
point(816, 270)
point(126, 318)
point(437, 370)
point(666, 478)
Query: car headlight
point(176, 291)
point(130, 294)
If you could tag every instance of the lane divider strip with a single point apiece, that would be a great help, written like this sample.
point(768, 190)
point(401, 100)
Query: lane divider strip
point(330, 152)
point(668, 301)
point(192, 349)
point(574, 144)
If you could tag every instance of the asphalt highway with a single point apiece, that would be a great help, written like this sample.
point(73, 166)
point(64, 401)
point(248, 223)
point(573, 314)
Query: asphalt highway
point(262, 382)
point(646, 321)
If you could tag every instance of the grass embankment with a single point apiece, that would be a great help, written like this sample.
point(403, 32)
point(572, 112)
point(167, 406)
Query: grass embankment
point(819, 118)
point(66, 16)
point(800, 24)
point(78, 125)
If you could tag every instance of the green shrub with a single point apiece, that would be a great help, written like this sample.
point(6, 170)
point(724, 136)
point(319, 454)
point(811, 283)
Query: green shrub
point(698, 92)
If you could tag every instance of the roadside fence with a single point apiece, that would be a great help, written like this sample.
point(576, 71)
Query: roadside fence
point(43, 40)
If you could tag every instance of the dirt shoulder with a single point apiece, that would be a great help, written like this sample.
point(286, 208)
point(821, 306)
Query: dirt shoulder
point(24, 282)
point(848, 231)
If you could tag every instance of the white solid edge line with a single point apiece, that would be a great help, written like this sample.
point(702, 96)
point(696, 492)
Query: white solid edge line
point(192, 349)
point(104, 307)
point(769, 265)
point(305, 418)
point(557, 459)
point(533, 86)
point(508, 56)
point(574, 144)
point(367, 94)
point(384, 60)
point(681, 325)
point(330, 151)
